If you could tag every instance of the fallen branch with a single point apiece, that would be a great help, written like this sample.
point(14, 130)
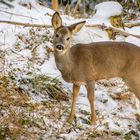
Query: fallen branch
point(125, 33)
point(16, 14)
point(96, 26)
point(89, 26)
point(114, 29)
point(125, 117)
point(130, 25)
point(25, 24)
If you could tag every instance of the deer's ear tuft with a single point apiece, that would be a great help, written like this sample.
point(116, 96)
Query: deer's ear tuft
point(56, 20)
point(74, 28)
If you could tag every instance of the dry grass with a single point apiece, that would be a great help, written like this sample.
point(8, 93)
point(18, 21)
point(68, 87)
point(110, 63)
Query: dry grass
point(21, 118)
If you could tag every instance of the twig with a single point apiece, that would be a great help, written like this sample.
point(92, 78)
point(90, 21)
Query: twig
point(17, 14)
point(25, 24)
point(125, 33)
point(4, 57)
point(124, 117)
point(56, 93)
point(130, 25)
point(76, 7)
point(96, 26)
point(90, 129)
point(114, 29)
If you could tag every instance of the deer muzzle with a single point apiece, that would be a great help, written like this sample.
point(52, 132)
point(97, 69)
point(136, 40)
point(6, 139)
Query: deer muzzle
point(60, 47)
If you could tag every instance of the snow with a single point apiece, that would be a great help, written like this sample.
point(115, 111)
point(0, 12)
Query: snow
point(105, 105)
point(108, 9)
point(105, 10)
point(134, 30)
point(49, 67)
point(133, 40)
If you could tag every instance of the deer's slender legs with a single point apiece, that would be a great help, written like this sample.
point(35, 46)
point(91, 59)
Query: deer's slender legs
point(76, 89)
point(90, 92)
point(134, 84)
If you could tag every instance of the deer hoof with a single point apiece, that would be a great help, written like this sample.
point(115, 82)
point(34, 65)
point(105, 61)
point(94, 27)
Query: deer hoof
point(71, 119)
point(93, 122)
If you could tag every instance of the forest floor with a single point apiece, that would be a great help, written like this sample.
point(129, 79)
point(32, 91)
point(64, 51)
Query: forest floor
point(34, 99)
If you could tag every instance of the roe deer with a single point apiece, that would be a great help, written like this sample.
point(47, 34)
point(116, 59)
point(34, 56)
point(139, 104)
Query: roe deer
point(86, 63)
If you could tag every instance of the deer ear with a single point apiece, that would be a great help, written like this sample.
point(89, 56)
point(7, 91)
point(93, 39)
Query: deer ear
point(56, 20)
point(74, 28)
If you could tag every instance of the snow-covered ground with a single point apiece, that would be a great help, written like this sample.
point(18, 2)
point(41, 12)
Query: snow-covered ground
point(27, 54)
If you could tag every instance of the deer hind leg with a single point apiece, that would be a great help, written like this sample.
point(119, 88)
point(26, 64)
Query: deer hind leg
point(90, 92)
point(133, 83)
point(76, 89)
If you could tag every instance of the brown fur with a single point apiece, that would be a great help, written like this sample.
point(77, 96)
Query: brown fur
point(86, 63)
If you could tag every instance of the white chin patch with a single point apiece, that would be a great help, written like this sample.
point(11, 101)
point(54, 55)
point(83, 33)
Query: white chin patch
point(60, 52)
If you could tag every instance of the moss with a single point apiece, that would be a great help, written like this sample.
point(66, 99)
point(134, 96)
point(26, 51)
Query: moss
point(131, 134)
point(111, 33)
point(2, 137)
point(115, 133)
point(116, 21)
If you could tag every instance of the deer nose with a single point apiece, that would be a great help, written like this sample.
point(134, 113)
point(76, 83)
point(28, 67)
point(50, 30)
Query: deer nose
point(60, 47)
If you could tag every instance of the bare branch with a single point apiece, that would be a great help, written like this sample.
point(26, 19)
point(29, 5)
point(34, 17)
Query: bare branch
point(89, 26)
point(25, 24)
point(55, 5)
point(114, 29)
point(17, 14)
point(130, 25)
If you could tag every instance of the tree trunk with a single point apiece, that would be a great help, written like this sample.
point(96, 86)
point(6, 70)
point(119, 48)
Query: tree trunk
point(55, 5)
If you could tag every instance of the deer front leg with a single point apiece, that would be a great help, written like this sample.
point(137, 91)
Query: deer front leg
point(76, 89)
point(90, 92)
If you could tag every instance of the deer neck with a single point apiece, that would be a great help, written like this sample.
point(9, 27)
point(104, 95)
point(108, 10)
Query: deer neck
point(64, 63)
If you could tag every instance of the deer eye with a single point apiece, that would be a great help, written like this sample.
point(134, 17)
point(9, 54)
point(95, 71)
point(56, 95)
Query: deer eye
point(57, 35)
point(68, 38)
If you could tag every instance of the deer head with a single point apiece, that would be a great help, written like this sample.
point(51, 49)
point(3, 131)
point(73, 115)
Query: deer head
point(63, 34)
